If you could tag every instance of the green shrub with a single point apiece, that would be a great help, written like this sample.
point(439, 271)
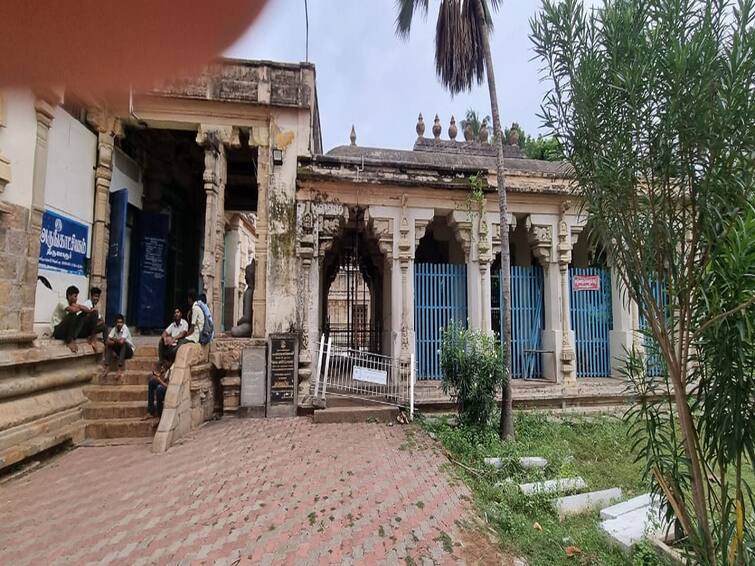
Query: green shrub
point(473, 372)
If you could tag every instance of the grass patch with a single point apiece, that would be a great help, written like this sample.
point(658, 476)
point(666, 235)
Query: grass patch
point(596, 448)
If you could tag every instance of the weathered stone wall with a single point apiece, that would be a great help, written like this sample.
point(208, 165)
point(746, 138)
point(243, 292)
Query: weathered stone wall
point(41, 396)
point(19, 256)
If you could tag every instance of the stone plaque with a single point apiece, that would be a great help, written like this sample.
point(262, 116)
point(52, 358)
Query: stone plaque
point(283, 375)
point(253, 381)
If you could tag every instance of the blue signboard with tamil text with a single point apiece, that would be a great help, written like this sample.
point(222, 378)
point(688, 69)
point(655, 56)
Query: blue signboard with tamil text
point(63, 244)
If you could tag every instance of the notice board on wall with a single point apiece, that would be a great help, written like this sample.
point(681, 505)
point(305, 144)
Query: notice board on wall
point(63, 244)
point(153, 254)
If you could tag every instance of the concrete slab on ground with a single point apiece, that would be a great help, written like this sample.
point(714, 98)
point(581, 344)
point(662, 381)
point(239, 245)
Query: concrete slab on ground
point(582, 502)
point(624, 507)
point(553, 486)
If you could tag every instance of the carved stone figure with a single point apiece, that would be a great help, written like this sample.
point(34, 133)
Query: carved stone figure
point(243, 328)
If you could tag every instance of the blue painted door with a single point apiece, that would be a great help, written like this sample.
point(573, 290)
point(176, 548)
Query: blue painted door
point(591, 319)
point(151, 268)
point(440, 296)
point(116, 259)
point(527, 318)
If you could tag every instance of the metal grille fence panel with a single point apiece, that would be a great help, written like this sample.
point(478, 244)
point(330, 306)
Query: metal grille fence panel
point(527, 319)
point(592, 320)
point(348, 372)
point(440, 296)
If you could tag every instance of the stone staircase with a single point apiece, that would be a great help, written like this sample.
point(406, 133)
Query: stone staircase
point(117, 406)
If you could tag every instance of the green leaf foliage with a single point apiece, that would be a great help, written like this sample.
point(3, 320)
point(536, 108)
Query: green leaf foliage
point(653, 104)
point(473, 372)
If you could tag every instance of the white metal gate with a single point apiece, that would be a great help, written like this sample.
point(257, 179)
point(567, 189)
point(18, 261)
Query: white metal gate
point(349, 372)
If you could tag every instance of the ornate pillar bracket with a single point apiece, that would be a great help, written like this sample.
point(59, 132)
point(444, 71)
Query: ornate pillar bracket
point(540, 238)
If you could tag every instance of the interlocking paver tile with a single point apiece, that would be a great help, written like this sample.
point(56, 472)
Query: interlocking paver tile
point(240, 492)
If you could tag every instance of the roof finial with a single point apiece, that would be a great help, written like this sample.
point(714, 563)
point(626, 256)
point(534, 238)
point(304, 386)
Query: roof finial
point(468, 131)
point(436, 128)
point(420, 126)
point(452, 129)
point(482, 136)
point(353, 135)
point(514, 134)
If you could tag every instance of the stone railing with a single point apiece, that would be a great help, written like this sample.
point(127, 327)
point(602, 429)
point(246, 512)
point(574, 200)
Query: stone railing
point(190, 399)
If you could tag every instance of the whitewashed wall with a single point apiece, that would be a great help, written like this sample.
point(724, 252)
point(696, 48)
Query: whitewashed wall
point(127, 175)
point(17, 143)
point(69, 191)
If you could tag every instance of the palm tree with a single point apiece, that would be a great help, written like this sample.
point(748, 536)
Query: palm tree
point(463, 58)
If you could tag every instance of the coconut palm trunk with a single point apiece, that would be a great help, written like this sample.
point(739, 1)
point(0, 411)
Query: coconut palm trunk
point(507, 423)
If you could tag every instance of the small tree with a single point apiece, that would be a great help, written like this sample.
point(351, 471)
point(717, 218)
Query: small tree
point(652, 102)
point(473, 372)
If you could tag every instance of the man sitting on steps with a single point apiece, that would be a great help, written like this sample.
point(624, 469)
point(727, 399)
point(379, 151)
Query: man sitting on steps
point(158, 385)
point(120, 343)
point(169, 342)
point(69, 321)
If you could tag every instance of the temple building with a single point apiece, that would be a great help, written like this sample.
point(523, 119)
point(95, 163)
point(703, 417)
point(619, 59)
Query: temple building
point(219, 182)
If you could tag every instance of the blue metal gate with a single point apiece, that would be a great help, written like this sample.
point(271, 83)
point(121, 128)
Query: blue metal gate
point(591, 319)
point(440, 295)
point(527, 318)
point(654, 364)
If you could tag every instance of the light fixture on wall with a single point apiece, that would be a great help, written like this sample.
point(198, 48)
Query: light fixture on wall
point(277, 157)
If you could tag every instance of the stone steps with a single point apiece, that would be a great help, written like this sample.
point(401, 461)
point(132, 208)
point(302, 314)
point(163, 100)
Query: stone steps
point(120, 428)
point(116, 393)
point(128, 377)
point(355, 414)
point(118, 410)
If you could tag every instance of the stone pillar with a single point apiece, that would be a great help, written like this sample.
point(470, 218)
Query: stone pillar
point(44, 106)
point(484, 250)
point(568, 353)
point(260, 285)
point(214, 178)
point(621, 336)
point(108, 127)
point(540, 237)
point(305, 249)
point(406, 267)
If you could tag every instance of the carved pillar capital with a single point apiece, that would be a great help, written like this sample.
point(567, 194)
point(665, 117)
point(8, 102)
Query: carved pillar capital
point(540, 238)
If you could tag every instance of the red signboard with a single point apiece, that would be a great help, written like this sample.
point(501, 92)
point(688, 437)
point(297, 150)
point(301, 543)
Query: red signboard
point(586, 283)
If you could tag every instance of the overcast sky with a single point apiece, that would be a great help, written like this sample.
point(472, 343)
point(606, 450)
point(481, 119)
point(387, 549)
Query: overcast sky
point(368, 77)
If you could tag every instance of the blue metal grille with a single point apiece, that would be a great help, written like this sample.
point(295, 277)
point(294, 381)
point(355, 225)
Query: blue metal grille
point(440, 295)
point(527, 318)
point(655, 366)
point(591, 319)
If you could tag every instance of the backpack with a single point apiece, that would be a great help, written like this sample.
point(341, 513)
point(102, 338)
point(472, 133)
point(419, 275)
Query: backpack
point(208, 330)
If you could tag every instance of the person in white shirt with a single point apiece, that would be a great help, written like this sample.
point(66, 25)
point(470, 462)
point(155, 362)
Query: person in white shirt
point(93, 318)
point(119, 343)
point(196, 319)
point(168, 346)
point(67, 320)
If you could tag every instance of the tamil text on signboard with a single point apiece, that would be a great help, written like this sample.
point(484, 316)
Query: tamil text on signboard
point(282, 368)
point(586, 283)
point(62, 244)
point(370, 375)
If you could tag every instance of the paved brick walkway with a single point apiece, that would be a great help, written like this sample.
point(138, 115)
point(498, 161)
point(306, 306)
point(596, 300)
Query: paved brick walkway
point(280, 491)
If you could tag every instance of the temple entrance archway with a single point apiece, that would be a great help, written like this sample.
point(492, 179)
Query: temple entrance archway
point(440, 292)
point(352, 308)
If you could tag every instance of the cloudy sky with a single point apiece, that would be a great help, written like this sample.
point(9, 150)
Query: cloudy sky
point(368, 77)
